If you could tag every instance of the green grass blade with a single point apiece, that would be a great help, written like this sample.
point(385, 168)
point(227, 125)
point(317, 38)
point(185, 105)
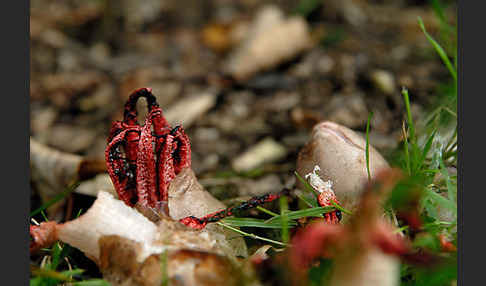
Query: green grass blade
point(163, 267)
point(426, 150)
point(251, 235)
point(266, 211)
point(73, 272)
point(57, 198)
point(440, 200)
point(312, 212)
point(56, 251)
point(305, 7)
point(412, 150)
point(411, 126)
point(79, 213)
point(44, 216)
point(439, 50)
point(254, 222)
point(307, 186)
point(439, 11)
point(92, 282)
point(311, 203)
point(49, 273)
point(284, 207)
point(341, 208)
point(405, 150)
point(451, 190)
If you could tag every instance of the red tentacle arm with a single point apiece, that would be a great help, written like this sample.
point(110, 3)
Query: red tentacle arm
point(175, 155)
point(200, 223)
point(166, 170)
point(326, 199)
point(121, 172)
point(146, 173)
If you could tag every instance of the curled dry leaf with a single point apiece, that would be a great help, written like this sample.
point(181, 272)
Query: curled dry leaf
point(341, 155)
point(52, 170)
point(266, 151)
point(124, 243)
point(187, 111)
point(60, 88)
point(271, 40)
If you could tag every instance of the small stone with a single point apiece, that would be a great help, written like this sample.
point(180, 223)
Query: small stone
point(100, 99)
point(206, 135)
point(325, 64)
point(296, 139)
point(100, 52)
point(165, 91)
point(71, 138)
point(348, 110)
point(187, 110)
point(68, 61)
point(381, 141)
point(209, 162)
point(266, 151)
point(271, 40)
point(266, 184)
point(383, 81)
point(42, 120)
point(280, 101)
point(138, 13)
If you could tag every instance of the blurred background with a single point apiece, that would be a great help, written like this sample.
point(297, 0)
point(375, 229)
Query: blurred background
point(235, 74)
point(87, 56)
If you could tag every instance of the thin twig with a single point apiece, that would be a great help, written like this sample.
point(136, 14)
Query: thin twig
point(251, 235)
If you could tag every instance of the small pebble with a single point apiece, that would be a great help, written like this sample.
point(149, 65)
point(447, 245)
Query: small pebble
point(348, 110)
point(71, 139)
point(383, 81)
point(266, 151)
point(187, 110)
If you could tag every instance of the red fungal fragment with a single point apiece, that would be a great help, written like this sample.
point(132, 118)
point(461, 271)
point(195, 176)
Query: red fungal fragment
point(313, 242)
point(446, 245)
point(43, 235)
point(200, 223)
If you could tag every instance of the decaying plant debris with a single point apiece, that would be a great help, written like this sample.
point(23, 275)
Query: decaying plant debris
point(266, 44)
point(53, 170)
point(124, 243)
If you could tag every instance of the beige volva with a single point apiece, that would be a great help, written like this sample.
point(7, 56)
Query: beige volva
point(341, 155)
point(187, 197)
